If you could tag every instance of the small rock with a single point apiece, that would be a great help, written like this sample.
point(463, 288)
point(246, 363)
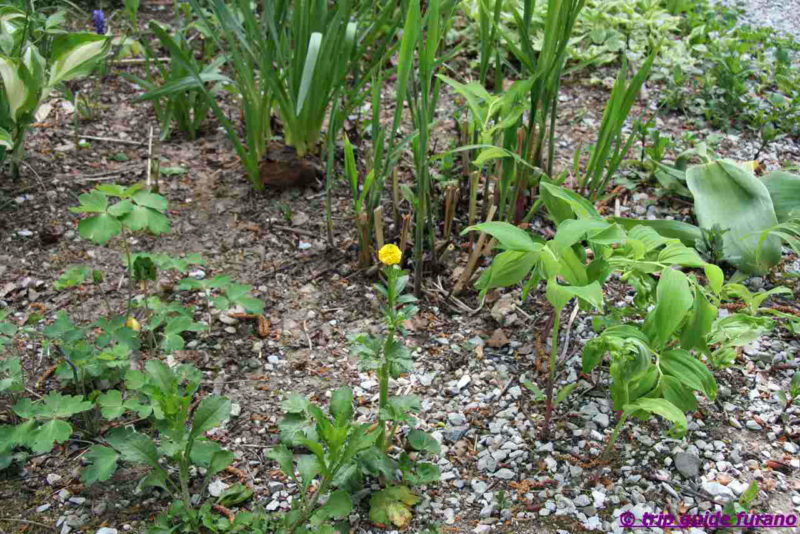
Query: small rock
point(582, 501)
point(106, 530)
point(752, 425)
point(602, 420)
point(216, 488)
point(463, 382)
point(687, 464)
point(505, 474)
point(482, 529)
point(77, 500)
point(478, 486)
point(236, 409)
point(43, 508)
point(790, 447)
point(715, 489)
point(499, 339)
point(53, 479)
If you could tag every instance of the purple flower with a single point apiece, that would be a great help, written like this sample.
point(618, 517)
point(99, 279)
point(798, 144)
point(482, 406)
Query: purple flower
point(99, 19)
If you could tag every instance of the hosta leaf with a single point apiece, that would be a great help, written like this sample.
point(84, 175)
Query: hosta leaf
point(5, 139)
point(17, 91)
point(103, 464)
point(75, 54)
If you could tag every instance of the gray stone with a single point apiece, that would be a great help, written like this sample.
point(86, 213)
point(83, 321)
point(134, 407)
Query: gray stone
point(687, 464)
point(236, 409)
point(715, 489)
point(505, 474)
point(478, 486)
point(602, 420)
point(752, 425)
point(582, 501)
point(106, 530)
point(43, 508)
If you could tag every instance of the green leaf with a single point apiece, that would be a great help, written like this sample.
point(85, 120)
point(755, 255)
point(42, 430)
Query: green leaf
point(283, 456)
point(558, 295)
point(75, 275)
point(342, 404)
point(392, 506)
point(784, 190)
point(53, 431)
point(55, 404)
point(151, 200)
point(675, 392)
point(690, 371)
point(211, 412)
point(111, 404)
point(309, 467)
point(699, 324)
point(673, 301)
point(727, 195)
point(18, 93)
point(92, 202)
point(5, 139)
point(422, 441)
point(75, 54)
point(509, 236)
point(338, 506)
point(145, 218)
point(314, 42)
point(99, 229)
point(103, 464)
point(661, 407)
point(134, 447)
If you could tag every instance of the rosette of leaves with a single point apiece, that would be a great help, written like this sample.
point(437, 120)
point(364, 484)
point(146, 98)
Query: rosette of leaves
point(334, 441)
point(166, 395)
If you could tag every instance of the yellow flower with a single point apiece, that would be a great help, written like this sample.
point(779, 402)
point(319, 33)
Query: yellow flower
point(133, 324)
point(390, 254)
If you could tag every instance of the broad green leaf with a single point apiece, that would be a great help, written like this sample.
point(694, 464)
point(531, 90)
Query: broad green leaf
point(699, 324)
point(151, 200)
point(75, 54)
point(508, 268)
point(784, 190)
point(509, 236)
point(145, 218)
point(283, 456)
point(675, 392)
point(17, 92)
point(338, 506)
point(92, 202)
point(727, 195)
point(715, 277)
point(5, 139)
point(103, 464)
point(134, 447)
point(690, 371)
point(48, 433)
point(673, 301)
point(210, 413)
point(558, 200)
point(111, 404)
point(392, 506)
point(99, 229)
point(314, 42)
point(309, 467)
point(55, 404)
point(559, 295)
point(661, 407)
point(422, 441)
point(687, 233)
point(342, 404)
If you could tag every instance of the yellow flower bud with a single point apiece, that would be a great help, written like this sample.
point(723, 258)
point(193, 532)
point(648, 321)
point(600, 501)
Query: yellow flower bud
point(133, 324)
point(390, 254)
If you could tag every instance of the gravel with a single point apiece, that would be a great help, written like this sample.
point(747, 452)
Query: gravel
point(782, 15)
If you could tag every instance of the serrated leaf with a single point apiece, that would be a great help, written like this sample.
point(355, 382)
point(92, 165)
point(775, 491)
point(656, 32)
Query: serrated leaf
point(111, 404)
point(422, 441)
point(392, 506)
point(103, 464)
point(210, 413)
point(100, 228)
point(48, 433)
point(134, 447)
